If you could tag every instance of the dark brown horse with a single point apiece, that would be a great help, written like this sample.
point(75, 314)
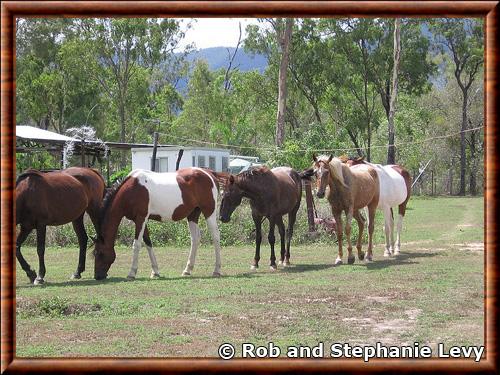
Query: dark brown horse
point(56, 198)
point(395, 190)
point(272, 194)
point(184, 194)
point(349, 191)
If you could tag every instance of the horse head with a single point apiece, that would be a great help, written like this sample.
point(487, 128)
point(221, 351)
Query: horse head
point(104, 256)
point(231, 198)
point(321, 169)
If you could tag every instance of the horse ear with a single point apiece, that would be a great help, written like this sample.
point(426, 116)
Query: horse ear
point(330, 158)
point(315, 158)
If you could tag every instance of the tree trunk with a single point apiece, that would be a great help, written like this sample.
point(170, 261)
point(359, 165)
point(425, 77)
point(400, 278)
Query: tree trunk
point(121, 111)
point(284, 41)
point(473, 167)
point(391, 152)
point(463, 160)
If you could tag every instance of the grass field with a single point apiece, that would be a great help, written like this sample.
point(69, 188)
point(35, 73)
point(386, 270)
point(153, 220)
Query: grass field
point(432, 293)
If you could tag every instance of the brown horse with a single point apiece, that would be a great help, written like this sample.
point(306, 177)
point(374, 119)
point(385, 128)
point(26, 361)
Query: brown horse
point(349, 191)
point(395, 190)
point(56, 198)
point(144, 195)
point(272, 194)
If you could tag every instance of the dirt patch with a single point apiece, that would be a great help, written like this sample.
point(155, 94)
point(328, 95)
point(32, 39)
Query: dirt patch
point(470, 246)
point(53, 307)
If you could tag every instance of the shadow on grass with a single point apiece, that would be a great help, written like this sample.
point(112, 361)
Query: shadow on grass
point(401, 259)
point(307, 267)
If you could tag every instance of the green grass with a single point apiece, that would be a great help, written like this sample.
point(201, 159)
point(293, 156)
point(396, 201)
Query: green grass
point(433, 292)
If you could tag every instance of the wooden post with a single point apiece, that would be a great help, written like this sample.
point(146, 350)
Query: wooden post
point(155, 146)
point(309, 203)
point(108, 154)
point(82, 149)
point(432, 182)
point(179, 157)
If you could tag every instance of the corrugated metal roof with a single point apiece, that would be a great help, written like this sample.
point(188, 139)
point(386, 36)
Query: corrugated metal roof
point(30, 132)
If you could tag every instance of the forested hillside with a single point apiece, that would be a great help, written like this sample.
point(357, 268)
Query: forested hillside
point(346, 86)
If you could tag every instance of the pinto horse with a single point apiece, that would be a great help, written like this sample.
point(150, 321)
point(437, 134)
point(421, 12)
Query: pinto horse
point(144, 195)
point(349, 191)
point(395, 190)
point(272, 194)
point(56, 198)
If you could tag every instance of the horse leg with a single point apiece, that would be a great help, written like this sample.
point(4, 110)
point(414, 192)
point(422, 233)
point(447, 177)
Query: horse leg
point(281, 230)
point(79, 229)
point(214, 230)
point(387, 230)
point(154, 264)
point(350, 258)
point(140, 225)
point(23, 234)
point(338, 220)
point(272, 239)
point(40, 249)
point(402, 209)
point(292, 216)
point(194, 231)
point(258, 239)
point(361, 225)
point(371, 226)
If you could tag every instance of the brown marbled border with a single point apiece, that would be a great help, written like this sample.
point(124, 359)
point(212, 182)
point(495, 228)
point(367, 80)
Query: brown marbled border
point(12, 9)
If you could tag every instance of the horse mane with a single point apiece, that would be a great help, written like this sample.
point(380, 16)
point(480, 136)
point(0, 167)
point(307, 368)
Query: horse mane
point(252, 173)
point(108, 199)
point(28, 173)
point(335, 166)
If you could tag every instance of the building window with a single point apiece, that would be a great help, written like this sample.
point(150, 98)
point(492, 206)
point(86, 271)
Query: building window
point(194, 161)
point(161, 165)
point(201, 161)
point(225, 164)
point(211, 162)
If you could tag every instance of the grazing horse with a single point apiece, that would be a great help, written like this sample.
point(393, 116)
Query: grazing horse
point(56, 198)
point(395, 190)
point(272, 194)
point(349, 191)
point(144, 195)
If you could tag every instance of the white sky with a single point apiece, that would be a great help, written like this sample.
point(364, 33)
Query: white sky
point(215, 32)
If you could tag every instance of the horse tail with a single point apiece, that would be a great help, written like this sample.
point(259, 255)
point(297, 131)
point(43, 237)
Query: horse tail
point(28, 173)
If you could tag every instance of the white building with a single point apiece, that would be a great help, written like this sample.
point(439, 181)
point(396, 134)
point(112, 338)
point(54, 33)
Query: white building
point(216, 159)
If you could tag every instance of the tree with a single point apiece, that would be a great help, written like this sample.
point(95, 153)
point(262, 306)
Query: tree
point(391, 152)
point(462, 40)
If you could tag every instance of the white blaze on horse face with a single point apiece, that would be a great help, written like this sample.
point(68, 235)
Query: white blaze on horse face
point(164, 192)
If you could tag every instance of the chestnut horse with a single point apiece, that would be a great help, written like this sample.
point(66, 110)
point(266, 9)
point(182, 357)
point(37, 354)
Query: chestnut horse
point(272, 194)
point(144, 195)
point(395, 190)
point(56, 198)
point(349, 191)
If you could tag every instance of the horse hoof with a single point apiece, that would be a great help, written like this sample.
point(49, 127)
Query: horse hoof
point(280, 263)
point(130, 278)
point(273, 268)
point(361, 256)
point(39, 281)
point(31, 276)
point(286, 263)
point(75, 276)
point(154, 275)
point(351, 260)
point(387, 253)
point(397, 252)
point(368, 259)
point(254, 268)
point(216, 274)
point(338, 262)
point(186, 273)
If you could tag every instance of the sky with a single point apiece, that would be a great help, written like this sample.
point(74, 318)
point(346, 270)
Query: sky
point(215, 32)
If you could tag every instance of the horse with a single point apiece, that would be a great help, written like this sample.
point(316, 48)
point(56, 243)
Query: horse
point(395, 190)
point(56, 198)
point(273, 193)
point(186, 193)
point(349, 191)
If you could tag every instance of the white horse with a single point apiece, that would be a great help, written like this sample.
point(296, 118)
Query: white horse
point(395, 190)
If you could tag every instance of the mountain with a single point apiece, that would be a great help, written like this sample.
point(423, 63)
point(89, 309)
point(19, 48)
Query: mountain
point(218, 58)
